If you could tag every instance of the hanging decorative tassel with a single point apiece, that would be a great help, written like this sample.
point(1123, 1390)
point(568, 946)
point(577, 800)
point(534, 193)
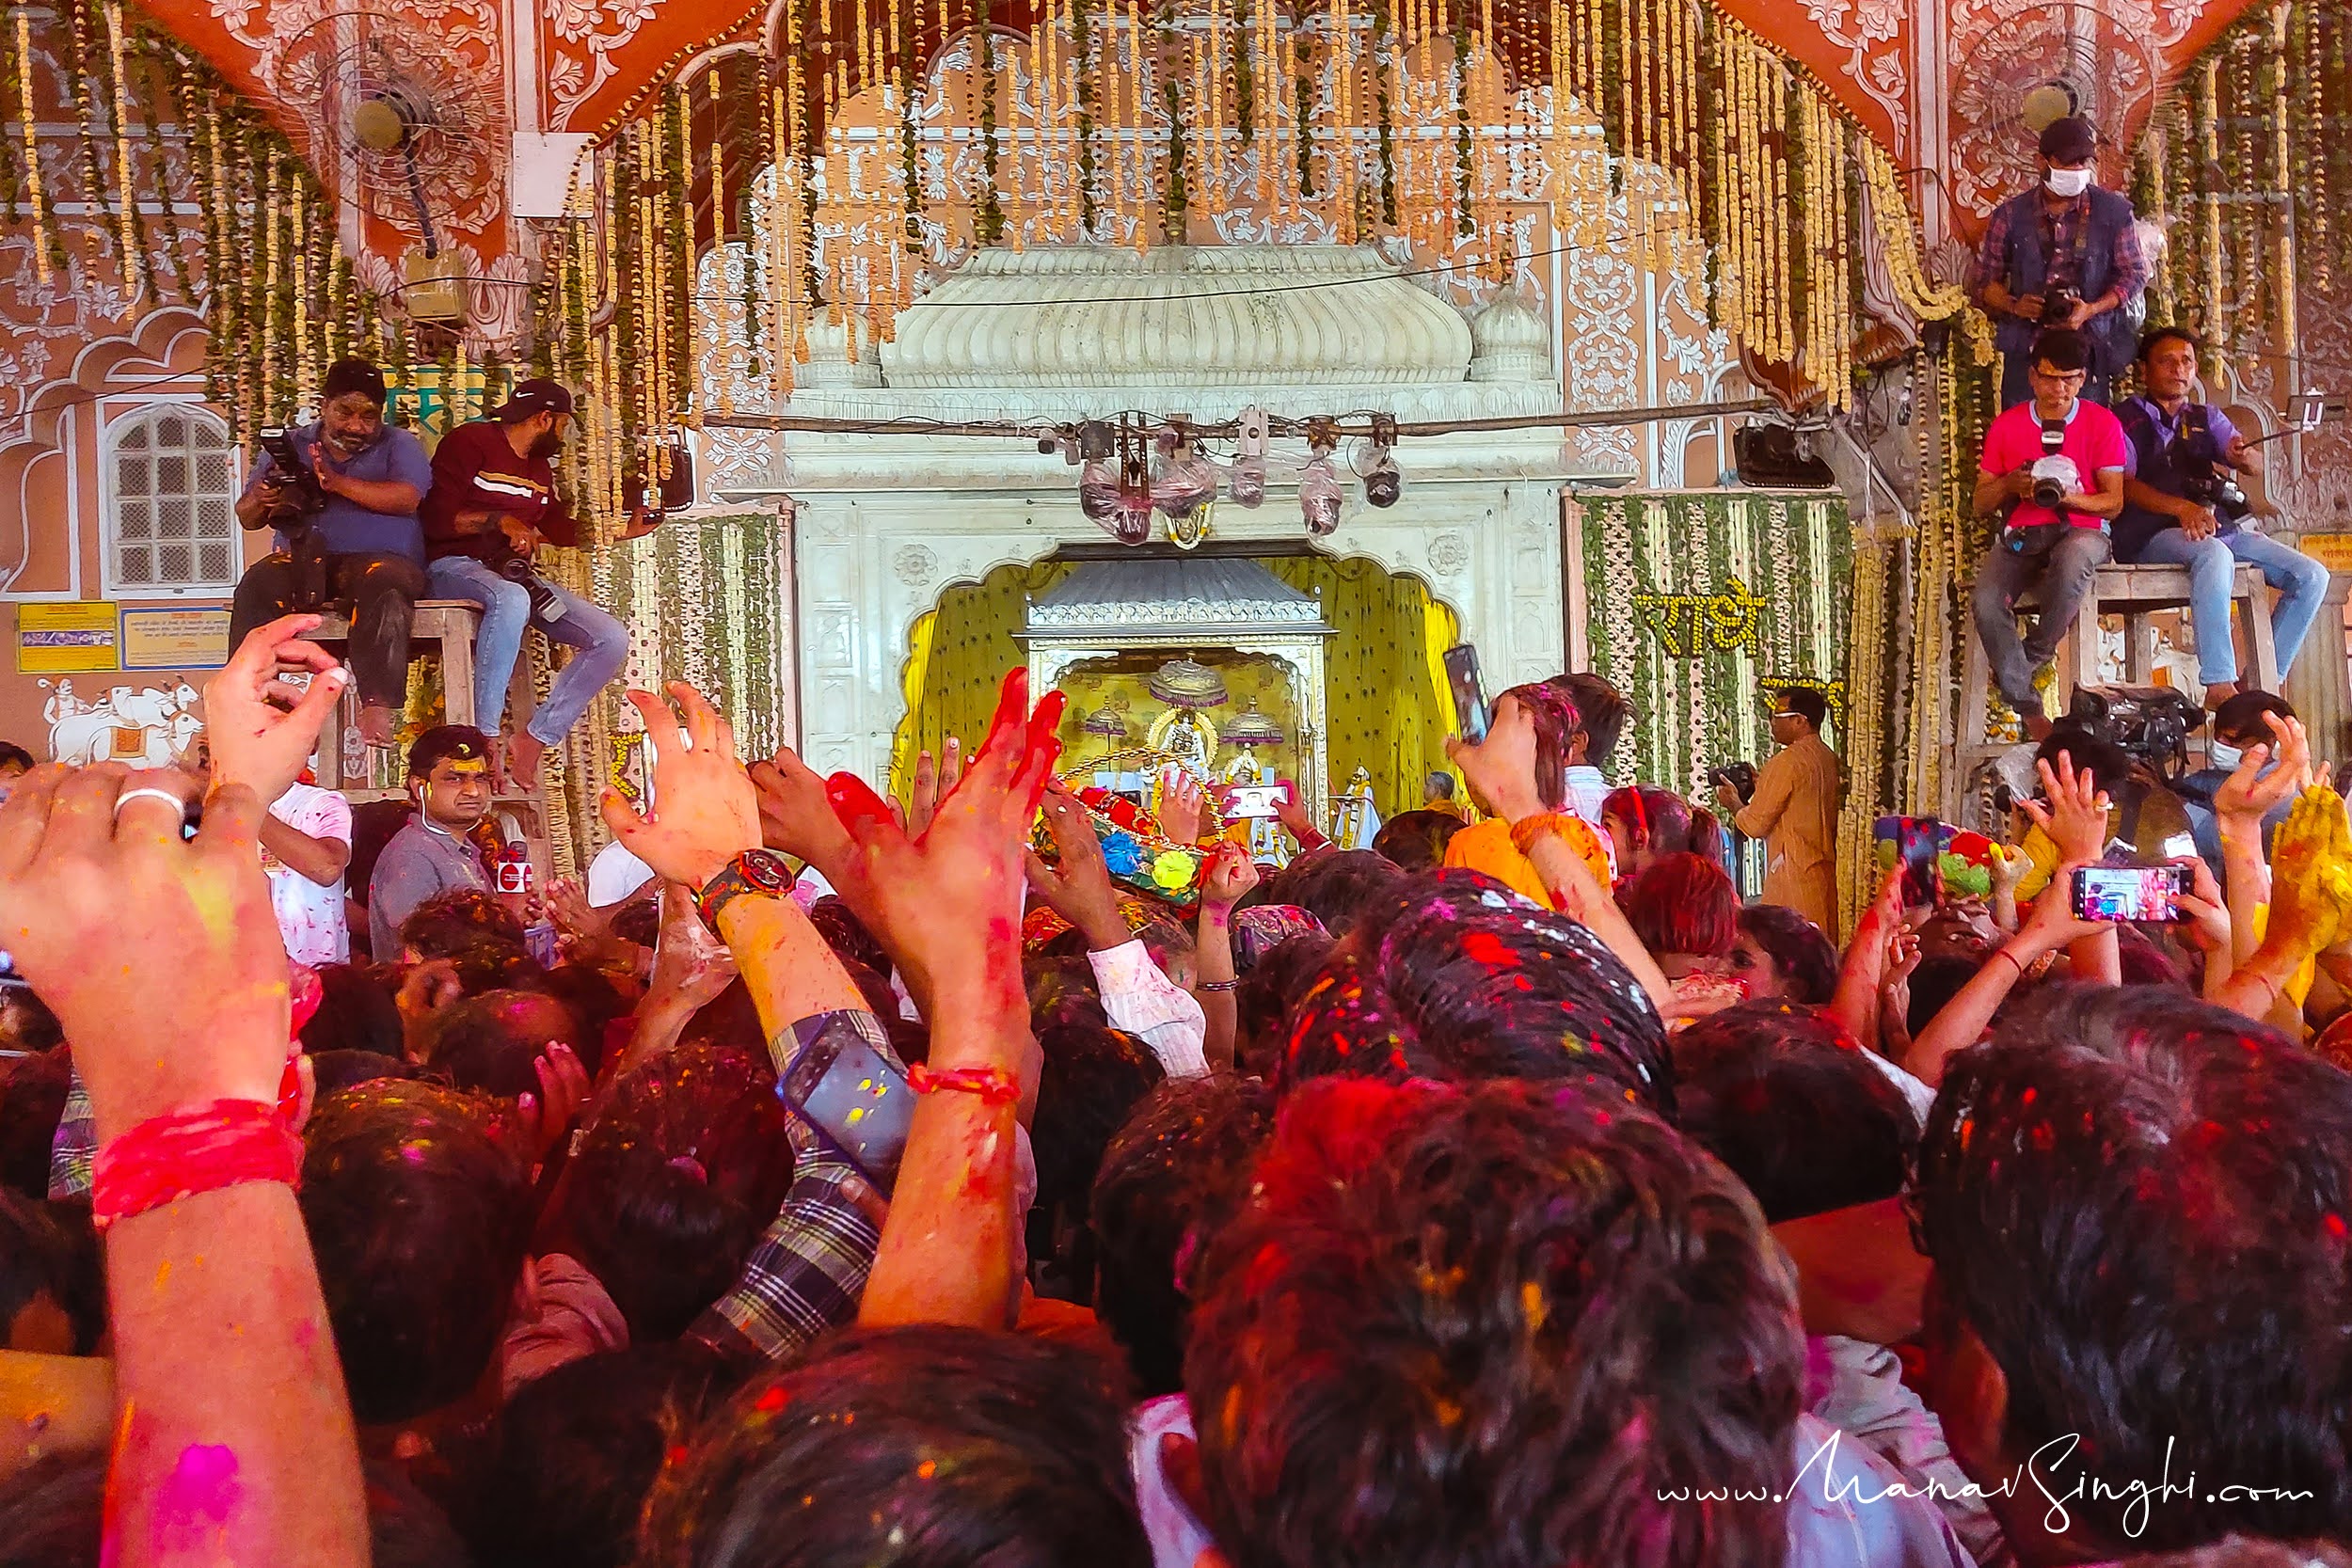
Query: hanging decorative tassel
point(137, 269)
point(48, 252)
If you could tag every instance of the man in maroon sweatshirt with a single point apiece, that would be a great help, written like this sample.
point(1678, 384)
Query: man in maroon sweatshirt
point(492, 505)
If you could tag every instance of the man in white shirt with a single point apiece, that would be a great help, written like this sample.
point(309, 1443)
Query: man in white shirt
point(305, 845)
point(1602, 711)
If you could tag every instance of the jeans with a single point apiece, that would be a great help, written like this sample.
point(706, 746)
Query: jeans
point(601, 645)
point(383, 591)
point(2212, 564)
point(2059, 578)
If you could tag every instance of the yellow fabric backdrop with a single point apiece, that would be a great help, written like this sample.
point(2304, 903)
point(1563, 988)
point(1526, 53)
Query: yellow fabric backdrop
point(1389, 709)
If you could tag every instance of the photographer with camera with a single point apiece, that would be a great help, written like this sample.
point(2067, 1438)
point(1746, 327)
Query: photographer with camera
point(493, 502)
point(2053, 470)
point(2066, 254)
point(2183, 506)
point(1792, 804)
point(342, 494)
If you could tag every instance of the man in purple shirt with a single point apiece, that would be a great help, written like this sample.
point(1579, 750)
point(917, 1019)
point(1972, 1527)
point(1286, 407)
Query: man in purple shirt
point(368, 478)
point(2178, 511)
point(2064, 254)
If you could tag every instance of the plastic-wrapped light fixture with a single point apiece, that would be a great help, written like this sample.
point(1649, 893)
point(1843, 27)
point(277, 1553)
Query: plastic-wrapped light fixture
point(1246, 484)
point(1319, 494)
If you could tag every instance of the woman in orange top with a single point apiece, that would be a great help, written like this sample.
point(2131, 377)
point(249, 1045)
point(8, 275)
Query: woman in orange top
point(1549, 712)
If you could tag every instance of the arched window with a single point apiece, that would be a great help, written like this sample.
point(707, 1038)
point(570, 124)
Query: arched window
point(169, 501)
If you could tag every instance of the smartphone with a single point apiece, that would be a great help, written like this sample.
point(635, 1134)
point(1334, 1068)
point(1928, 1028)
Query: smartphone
point(1255, 801)
point(545, 947)
point(1919, 847)
point(856, 1098)
point(2122, 892)
point(1469, 692)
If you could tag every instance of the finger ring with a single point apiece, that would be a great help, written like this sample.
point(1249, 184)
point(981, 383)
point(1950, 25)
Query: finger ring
point(130, 795)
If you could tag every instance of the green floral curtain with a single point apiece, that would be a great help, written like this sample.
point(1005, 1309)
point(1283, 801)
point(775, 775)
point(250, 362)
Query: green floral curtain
point(1697, 601)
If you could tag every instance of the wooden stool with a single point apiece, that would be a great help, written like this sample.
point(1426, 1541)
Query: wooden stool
point(2136, 593)
point(449, 626)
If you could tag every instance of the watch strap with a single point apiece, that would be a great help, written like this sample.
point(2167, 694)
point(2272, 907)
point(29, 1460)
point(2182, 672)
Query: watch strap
point(759, 872)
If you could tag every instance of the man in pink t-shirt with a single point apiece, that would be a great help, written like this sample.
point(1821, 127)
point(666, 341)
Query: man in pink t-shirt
point(2053, 470)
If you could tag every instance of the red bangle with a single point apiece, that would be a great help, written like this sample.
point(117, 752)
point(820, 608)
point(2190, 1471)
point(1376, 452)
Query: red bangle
point(227, 1143)
point(993, 1085)
point(2018, 963)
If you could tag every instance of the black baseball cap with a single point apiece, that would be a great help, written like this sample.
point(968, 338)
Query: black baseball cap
point(2071, 140)
point(537, 396)
point(352, 375)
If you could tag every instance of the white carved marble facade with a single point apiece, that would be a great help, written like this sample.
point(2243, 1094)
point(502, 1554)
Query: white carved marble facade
point(887, 522)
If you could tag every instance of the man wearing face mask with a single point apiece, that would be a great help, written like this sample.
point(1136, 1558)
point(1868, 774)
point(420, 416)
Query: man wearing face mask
point(2065, 254)
point(493, 503)
point(2238, 724)
point(366, 478)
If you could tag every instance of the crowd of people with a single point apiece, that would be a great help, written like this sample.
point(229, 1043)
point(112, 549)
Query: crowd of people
point(881, 1181)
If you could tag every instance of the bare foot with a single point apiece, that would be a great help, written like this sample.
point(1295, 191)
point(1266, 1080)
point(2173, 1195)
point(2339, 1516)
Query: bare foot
point(522, 761)
point(2038, 727)
point(2218, 695)
point(376, 724)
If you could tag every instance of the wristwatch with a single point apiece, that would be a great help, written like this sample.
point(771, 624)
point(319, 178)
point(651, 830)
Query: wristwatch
point(761, 872)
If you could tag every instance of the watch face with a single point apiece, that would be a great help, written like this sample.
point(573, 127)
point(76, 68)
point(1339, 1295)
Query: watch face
point(766, 871)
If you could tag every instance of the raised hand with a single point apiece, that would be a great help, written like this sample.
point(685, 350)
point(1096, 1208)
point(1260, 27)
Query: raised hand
point(541, 1119)
point(1227, 879)
point(2311, 874)
point(1501, 767)
point(161, 957)
point(932, 782)
point(796, 814)
point(2076, 817)
point(691, 966)
point(262, 728)
point(946, 906)
point(1294, 817)
point(1182, 808)
point(566, 904)
point(1079, 889)
point(2207, 928)
point(707, 811)
point(2247, 795)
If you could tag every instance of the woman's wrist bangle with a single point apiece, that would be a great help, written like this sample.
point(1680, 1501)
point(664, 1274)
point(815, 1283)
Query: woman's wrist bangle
point(226, 1143)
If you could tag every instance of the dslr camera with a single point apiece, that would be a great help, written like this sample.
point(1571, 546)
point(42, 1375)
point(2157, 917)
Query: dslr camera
point(2151, 723)
point(2058, 305)
point(299, 503)
point(1741, 776)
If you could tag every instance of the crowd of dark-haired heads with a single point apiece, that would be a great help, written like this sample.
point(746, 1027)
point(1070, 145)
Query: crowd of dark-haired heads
point(1475, 1254)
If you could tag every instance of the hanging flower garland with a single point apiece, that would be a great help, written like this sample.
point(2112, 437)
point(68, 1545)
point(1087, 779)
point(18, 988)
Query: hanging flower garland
point(1082, 50)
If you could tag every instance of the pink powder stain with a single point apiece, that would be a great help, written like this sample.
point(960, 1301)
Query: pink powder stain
point(193, 1505)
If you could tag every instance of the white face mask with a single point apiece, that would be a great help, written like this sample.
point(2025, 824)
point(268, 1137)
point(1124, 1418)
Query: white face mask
point(2068, 182)
point(2223, 756)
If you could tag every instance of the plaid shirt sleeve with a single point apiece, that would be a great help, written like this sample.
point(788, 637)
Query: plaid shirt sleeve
point(1993, 252)
point(808, 1272)
point(72, 1151)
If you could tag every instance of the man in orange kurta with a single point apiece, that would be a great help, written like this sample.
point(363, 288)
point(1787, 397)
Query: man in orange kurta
point(1795, 811)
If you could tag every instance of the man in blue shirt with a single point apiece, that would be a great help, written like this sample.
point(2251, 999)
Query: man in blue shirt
point(369, 477)
point(2175, 513)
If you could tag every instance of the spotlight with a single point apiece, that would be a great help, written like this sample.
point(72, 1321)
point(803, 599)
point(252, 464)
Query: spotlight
point(1185, 481)
point(1376, 464)
point(1319, 494)
point(1248, 483)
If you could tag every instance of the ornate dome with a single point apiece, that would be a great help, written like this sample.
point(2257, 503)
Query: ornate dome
point(1204, 316)
point(828, 362)
point(1509, 342)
